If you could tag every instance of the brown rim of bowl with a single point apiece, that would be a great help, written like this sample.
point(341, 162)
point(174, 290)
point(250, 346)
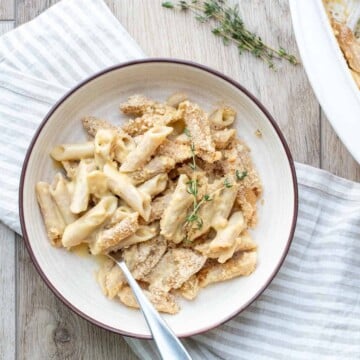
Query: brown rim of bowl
point(134, 63)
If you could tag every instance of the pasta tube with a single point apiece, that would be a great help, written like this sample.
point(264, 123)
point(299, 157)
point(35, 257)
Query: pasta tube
point(97, 183)
point(108, 240)
point(81, 194)
point(104, 149)
point(223, 205)
point(147, 146)
point(73, 151)
point(60, 192)
point(120, 184)
point(241, 264)
point(225, 238)
point(157, 165)
point(143, 233)
point(174, 215)
point(82, 228)
point(54, 222)
point(154, 186)
point(124, 144)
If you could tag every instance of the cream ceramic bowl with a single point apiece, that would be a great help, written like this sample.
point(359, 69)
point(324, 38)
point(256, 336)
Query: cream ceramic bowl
point(72, 278)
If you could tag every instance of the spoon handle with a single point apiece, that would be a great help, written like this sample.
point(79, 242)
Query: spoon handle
point(168, 344)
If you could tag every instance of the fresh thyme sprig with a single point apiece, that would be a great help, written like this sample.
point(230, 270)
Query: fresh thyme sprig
point(192, 189)
point(194, 216)
point(231, 28)
point(192, 149)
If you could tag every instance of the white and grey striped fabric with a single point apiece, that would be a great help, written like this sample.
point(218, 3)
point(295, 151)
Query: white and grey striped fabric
point(39, 62)
point(312, 308)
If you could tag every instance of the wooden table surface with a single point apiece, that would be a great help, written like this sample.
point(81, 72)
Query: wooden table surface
point(33, 323)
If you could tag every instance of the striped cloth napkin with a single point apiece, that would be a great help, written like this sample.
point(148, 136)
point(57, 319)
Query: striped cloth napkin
point(312, 308)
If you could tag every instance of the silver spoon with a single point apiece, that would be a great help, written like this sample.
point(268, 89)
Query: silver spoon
point(169, 346)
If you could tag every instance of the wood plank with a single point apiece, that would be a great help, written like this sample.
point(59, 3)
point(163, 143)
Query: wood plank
point(7, 275)
point(47, 329)
point(286, 93)
point(334, 156)
point(7, 293)
point(26, 10)
point(7, 9)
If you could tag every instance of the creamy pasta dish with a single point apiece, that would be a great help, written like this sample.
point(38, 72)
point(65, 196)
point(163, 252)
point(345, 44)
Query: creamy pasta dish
point(347, 34)
point(173, 189)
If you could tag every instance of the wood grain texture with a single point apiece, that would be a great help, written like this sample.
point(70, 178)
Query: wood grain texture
point(26, 10)
point(334, 156)
point(7, 9)
point(7, 293)
point(47, 329)
point(286, 93)
point(7, 275)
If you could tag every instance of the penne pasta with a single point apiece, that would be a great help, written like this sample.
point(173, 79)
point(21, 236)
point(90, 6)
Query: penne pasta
point(176, 151)
point(208, 211)
point(222, 117)
point(225, 238)
point(176, 98)
point(137, 105)
point(241, 264)
point(154, 186)
point(142, 258)
point(120, 214)
point(93, 124)
point(157, 165)
point(146, 148)
point(73, 151)
point(97, 183)
point(123, 145)
point(53, 220)
point(70, 168)
point(79, 231)
point(104, 147)
point(158, 206)
point(223, 138)
point(143, 233)
point(59, 190)
point(222, 205)
point(173, 190)
point(109, 239)
point(199, 128)
point(120, 184)
point(244, 242)
point(81, 193)
point(171, 271)
point(172, 221)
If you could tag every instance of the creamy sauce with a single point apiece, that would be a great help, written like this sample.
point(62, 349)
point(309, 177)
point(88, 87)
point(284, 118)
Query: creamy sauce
point(81, 250)
point(57, 164)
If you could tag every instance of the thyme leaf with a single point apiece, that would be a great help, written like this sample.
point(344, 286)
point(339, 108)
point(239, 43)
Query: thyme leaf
point(227, 24)
point(227, 183)
point(241, 176)
point(168, 4)
point(192, 149)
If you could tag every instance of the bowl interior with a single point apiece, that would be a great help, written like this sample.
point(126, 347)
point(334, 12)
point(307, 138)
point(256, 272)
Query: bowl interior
point(73, 276)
